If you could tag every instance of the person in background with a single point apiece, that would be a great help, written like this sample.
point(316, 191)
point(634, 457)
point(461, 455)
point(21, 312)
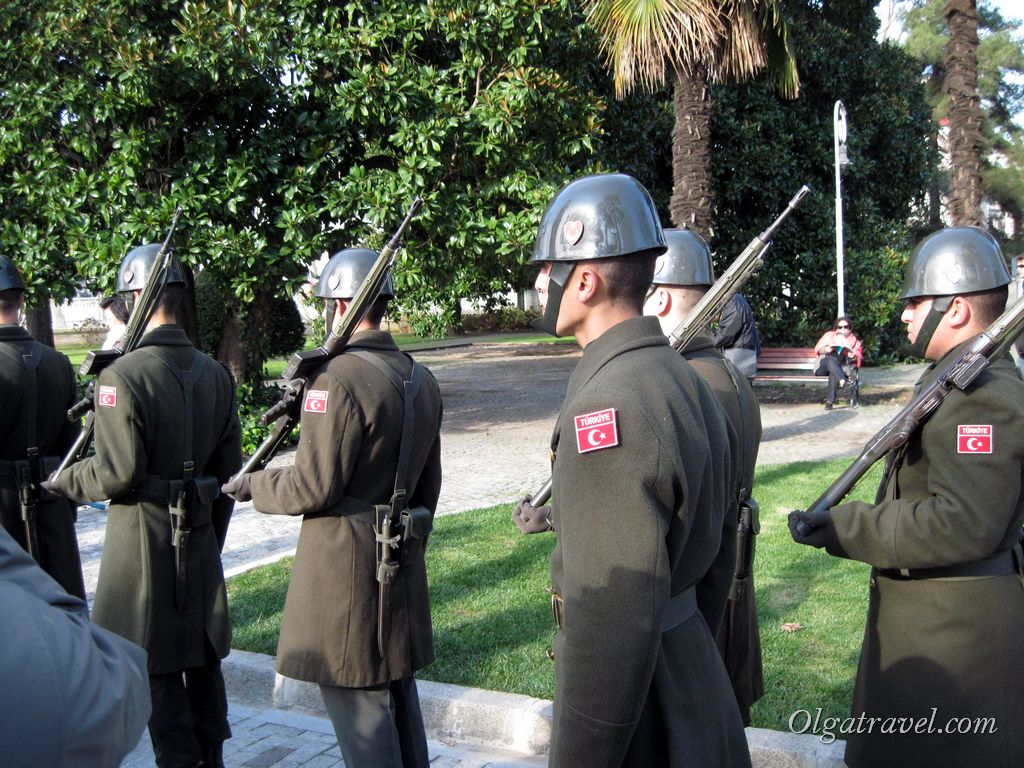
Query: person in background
point(837, 347)
point(736, 335)
point(115, 314)
point(682, 276)
point(37, 386)
point(371, 425)
point(74, 693)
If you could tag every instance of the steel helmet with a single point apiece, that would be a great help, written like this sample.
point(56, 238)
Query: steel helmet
point(138, 264)
point(955, 261)
point(345, 272)
point(596, 217)
point(687, 262)
point(10, 279)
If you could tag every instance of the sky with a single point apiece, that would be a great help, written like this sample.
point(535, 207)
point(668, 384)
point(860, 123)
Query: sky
point(1010, 10)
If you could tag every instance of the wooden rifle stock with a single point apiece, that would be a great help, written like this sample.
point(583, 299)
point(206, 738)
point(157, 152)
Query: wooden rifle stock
point(285, 413)
point(958, 373)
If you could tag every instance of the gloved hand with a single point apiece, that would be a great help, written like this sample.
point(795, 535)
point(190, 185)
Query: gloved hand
point(239, 489)
point(809, 528)
point(531, 519)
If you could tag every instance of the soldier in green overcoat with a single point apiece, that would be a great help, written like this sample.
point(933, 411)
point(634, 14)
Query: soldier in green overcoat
point(37, 386)
point(940, 680)
point(726, 593)
point(642, 474)
point(347, 467)
point(167, 436)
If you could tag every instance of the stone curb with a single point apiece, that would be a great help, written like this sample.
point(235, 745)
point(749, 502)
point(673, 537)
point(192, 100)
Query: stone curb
point(504, 721)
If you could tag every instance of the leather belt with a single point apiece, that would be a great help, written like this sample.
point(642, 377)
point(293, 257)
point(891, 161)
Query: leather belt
point(1000, 564)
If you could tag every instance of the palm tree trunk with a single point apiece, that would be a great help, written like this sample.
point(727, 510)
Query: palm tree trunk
point(965, 138)
point(691, 202)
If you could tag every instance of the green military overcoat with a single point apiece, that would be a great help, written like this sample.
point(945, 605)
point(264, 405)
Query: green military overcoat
point(641, 477)
point(55, 393)
point(941, 648)
point(729, 605)
point(346, 460)
point(140, 418)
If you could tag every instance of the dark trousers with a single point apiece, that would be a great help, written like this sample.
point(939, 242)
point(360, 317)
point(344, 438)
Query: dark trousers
point(190, 714)
point(378, 727)
point(831, 367)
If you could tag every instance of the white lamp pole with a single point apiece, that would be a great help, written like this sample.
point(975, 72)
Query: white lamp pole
point(839, 125)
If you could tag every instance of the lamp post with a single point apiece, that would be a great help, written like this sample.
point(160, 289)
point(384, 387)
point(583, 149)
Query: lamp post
point(841, 158)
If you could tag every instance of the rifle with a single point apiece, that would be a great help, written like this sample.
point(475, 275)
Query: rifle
point(732, 279)
point(285, 413)
point(711, 303)
point(959, 372)
point(98, 359)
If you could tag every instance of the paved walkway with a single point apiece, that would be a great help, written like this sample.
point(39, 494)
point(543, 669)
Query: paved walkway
point(501, 402)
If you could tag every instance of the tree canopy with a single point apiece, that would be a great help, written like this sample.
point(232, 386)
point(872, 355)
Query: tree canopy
point(289, 129)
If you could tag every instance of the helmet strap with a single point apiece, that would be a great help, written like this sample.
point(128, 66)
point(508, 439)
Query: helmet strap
point(558, 277)
point(935, 314)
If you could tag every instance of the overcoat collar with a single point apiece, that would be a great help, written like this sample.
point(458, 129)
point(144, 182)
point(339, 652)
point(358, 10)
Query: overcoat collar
point(166, 336)
point(635, 333)
point(11, 332)
point(373, 340)
point(699, 343)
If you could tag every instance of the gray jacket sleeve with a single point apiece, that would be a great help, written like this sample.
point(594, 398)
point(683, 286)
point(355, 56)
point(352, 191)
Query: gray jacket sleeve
point(76, 693)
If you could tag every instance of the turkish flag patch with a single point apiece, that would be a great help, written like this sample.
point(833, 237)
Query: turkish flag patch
point(107, 397)
point(974, 438)
point(316, 401)
point(597, 430)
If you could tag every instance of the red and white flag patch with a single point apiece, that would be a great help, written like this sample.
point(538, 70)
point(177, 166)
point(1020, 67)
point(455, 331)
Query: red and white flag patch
point(316, 401)
point(107, 397)
point(974, 438)
point(597, 430)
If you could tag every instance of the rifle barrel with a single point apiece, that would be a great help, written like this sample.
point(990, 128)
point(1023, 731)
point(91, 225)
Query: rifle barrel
point(959, 373)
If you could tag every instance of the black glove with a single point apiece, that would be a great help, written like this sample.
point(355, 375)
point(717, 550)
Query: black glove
point(809, 528)
point(530, 519)
point(239, 489)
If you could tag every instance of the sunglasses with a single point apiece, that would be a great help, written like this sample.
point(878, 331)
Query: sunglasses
point(842, 326)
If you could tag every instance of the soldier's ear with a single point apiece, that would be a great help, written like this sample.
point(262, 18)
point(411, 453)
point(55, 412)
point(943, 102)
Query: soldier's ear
point(959, 313)
point(586, 282)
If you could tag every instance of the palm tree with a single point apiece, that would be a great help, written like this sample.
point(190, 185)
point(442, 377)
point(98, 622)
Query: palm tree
point(701, 42)
point(965, 135)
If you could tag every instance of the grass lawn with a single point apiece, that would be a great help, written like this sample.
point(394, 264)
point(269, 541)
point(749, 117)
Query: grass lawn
point(492, 623)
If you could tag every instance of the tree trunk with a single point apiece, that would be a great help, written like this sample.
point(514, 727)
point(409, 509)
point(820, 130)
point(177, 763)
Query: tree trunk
point(231, 352)
point(965, 138)
point(39, 321)
point(691, 202)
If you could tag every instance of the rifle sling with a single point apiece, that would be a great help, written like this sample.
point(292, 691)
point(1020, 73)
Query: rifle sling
point(179, 492)
point(388, 515)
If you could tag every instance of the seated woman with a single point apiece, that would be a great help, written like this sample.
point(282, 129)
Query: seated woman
point(837, 347)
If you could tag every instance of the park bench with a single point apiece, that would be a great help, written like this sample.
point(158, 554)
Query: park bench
point(796, 365)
